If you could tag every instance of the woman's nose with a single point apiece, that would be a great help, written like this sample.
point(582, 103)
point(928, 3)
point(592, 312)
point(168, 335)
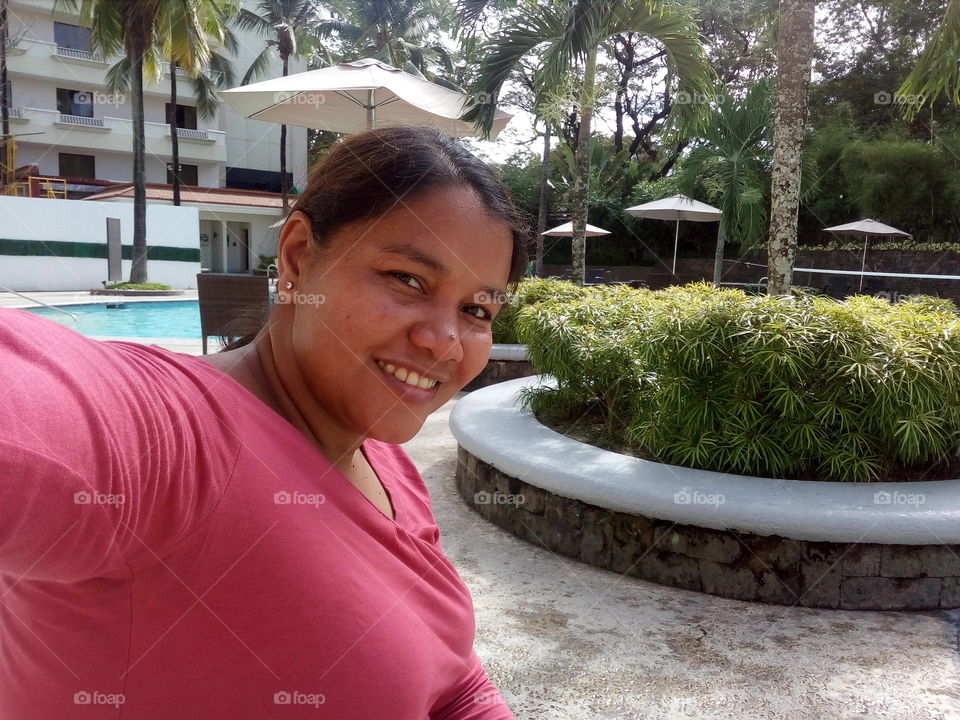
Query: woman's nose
point(440, 336)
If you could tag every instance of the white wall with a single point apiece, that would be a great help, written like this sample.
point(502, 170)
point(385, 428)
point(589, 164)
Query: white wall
point(39, 220)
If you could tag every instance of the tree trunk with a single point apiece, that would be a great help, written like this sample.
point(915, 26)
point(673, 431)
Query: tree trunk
point(544, 200)
point(138, 268)
point(284, 188)
point(581, 185)
point(4, 100)
point(718, 258)
point(174, 139)
point(794, 55)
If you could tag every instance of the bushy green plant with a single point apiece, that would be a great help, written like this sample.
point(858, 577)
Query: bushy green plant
point(137, 286)
point(800, 386)
point(528, 292)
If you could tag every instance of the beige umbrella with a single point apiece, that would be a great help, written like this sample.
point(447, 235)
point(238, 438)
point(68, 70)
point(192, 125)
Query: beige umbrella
point(676, 207)
point(356, 96)
point(866, 228)
point(567, 229)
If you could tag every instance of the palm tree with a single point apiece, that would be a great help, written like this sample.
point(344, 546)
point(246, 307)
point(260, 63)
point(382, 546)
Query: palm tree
point(794, 56)
point(288, 25)
point(397, 33)
point(186, 44)
point(730, 163)
point(571, 33)
point(127, 26)
point(937, 70)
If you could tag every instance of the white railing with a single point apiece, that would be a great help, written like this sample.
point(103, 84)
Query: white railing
point(81, 120)
point(78, 54)
point(14, 113)
point(192, 134)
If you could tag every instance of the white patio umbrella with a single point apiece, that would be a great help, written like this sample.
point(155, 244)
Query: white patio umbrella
point(567, 229)
point(356, 96)
point(866, 228)
point(676, 207)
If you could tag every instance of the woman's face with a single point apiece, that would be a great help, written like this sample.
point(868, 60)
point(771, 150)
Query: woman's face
point(411, 293)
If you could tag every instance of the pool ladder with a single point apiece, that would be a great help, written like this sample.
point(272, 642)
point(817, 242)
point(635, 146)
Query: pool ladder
point(39, 302)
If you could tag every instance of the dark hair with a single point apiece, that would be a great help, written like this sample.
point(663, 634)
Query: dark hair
point(373, 172)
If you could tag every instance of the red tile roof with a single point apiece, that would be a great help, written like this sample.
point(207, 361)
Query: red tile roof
point(191, 194)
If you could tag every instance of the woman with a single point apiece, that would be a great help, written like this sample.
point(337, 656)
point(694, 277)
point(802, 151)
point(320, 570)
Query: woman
point(239, 536)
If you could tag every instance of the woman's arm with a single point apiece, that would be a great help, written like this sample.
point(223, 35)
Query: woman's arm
point(473, 697)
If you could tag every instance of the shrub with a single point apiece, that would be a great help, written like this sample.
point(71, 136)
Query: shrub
point(530, 291)
point(137, 286)
point(790, 386)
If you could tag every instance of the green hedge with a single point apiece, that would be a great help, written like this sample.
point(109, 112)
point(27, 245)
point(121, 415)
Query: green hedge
point(528, 292)
point(798, 386)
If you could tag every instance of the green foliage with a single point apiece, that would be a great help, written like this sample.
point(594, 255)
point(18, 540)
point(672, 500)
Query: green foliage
point(529, 292)
point(797, 386)
point(137, 286)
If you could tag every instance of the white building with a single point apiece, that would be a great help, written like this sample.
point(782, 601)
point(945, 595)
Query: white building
point(68, 125)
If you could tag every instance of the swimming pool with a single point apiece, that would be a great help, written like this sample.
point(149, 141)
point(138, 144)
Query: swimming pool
point(163, 319)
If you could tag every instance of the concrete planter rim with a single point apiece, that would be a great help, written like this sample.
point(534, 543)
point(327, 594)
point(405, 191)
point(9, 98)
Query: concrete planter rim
point(490, 425)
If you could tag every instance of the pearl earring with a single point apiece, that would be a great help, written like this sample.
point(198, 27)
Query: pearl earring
point(289, 285)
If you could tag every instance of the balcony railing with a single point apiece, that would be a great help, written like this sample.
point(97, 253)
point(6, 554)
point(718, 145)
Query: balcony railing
point(14, 113)
point(78, 54)
point(192, 134)
point(81, 120)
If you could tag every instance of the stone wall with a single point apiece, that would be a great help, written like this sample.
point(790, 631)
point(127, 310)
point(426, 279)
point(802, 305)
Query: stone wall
point(731, 564)
point(497, 371)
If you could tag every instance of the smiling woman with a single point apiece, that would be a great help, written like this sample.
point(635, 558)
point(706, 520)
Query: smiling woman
point(229, 533)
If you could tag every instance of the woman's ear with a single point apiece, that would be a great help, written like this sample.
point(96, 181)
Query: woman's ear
point(293, 247)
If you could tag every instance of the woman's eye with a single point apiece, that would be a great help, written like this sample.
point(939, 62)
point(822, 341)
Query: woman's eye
point(408, 280)
point(481, 314)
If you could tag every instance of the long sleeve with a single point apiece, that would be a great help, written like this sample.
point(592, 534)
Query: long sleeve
point(101, 468)
point(473, 697)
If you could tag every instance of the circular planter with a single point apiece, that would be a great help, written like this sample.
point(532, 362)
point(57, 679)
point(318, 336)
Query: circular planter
point(136, 293)
point(885, 546)
point(507, 362)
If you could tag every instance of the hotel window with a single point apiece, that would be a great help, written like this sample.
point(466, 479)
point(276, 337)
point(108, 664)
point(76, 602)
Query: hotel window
point(75, 102)
point(188, 174)
point(77, 166)
point(71, 36)
point(186, 116)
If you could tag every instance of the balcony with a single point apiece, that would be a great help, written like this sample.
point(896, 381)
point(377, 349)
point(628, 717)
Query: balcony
point(116, 135)
point(74, 54)
point(81, 120)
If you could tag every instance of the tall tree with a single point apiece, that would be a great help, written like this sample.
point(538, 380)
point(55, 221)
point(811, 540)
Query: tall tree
point(730, 164)
point(402, 33)
point(288, 26)
point(127, 26)
point(794, 56)
point(4, 100)
point(569, 35)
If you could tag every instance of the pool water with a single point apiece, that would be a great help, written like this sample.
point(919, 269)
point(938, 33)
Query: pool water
point(165, 319)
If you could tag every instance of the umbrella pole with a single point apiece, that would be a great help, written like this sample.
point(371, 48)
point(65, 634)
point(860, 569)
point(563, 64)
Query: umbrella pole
point(676, 236)
point(863, 260)
point(371, 110)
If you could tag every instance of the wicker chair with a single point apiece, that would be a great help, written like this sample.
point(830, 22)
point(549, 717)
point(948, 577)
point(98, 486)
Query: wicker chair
point(225, 298)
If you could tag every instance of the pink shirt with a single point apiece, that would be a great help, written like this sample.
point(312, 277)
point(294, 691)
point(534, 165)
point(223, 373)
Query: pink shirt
point(172, 548)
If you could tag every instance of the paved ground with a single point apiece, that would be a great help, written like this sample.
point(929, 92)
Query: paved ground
point(565, 641)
